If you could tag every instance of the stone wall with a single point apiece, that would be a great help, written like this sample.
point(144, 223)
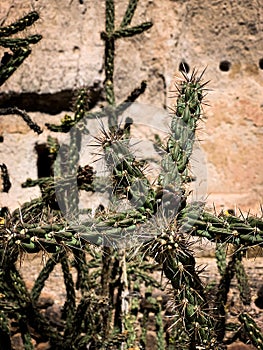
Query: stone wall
point(225, 37)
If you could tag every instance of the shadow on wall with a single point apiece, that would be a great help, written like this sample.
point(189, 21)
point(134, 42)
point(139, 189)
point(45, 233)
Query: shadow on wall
point(50, 103)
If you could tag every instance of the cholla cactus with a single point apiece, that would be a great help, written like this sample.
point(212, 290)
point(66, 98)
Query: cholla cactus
point(20, 49)
point(158, 218)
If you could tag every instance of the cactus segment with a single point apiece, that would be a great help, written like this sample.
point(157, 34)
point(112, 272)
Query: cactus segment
point(130, 10)
point(19, 47)
point(6, 184)
point(252, 331)
point(242, 281)
point(19, 25)
point(15, 44)
point(23, 115)
point(129, 32)
point(13, 63)
point(4, 332)
point(220, 254)
point(127, 173)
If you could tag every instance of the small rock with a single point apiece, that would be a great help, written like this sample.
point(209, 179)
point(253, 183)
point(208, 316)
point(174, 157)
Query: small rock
point(17, 342)
point(240, 346)
point(43, 346)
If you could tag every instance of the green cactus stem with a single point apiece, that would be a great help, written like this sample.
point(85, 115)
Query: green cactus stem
point(13, 288)
point(69, 307)
point(14, 61)
point(127, 173)
point(14, 110)
point(5, 342)
point(68, 122)
point(171, 250)
point(15, 44)
point(109, 36)
point(229, 229)
point(253, 332)
point(26, 337)
point(43, 276)
point(20, 47)
point(221, 298)
point(187, 114)
point(220, 255)
point(242, 280)
point(19, 25)
point(130, 10)
point(6, 184)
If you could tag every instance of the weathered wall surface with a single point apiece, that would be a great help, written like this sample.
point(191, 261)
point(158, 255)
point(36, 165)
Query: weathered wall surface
point(224, 36)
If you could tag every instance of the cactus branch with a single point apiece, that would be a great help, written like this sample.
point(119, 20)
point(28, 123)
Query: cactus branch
point(127, 18)
point(23, 115)
point(6, 184)
point(19, 25)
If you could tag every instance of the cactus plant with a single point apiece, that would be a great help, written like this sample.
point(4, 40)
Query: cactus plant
point(20, 51)
point(101, 248)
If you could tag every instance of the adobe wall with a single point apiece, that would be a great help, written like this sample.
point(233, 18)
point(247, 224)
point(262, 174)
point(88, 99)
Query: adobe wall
point(225, 37)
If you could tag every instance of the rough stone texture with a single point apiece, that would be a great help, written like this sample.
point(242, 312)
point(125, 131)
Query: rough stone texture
point(202, 34)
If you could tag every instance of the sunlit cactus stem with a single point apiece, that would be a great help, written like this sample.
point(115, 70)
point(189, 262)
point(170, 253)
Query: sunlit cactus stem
point(253, 332)
point(188, 112)
point(20, 47)
point(110, 35)
point(189, 296)
point(19, 25)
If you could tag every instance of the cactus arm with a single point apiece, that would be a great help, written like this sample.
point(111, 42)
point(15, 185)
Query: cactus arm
point(128, 176)
point(129, 32)
point(16, 292)
point(172, 252)
point(221, 299)
point(228, 229)
point(69, 307)
point(6, 184)
point(19, 25)
point(130, 10)
point(80, 107)
point(5, 342)
point(109, 54)
point(23, 115)
point(43, 276)
point(13, 63)
point(14, 44)
point(109, 36)
point(67, 122)
point(20, 47)
point(132, 97)
point(184, 121)
point(220, 254)
point(26, 337)
point(252, 331)
point(81, 265)
point(242, 280)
